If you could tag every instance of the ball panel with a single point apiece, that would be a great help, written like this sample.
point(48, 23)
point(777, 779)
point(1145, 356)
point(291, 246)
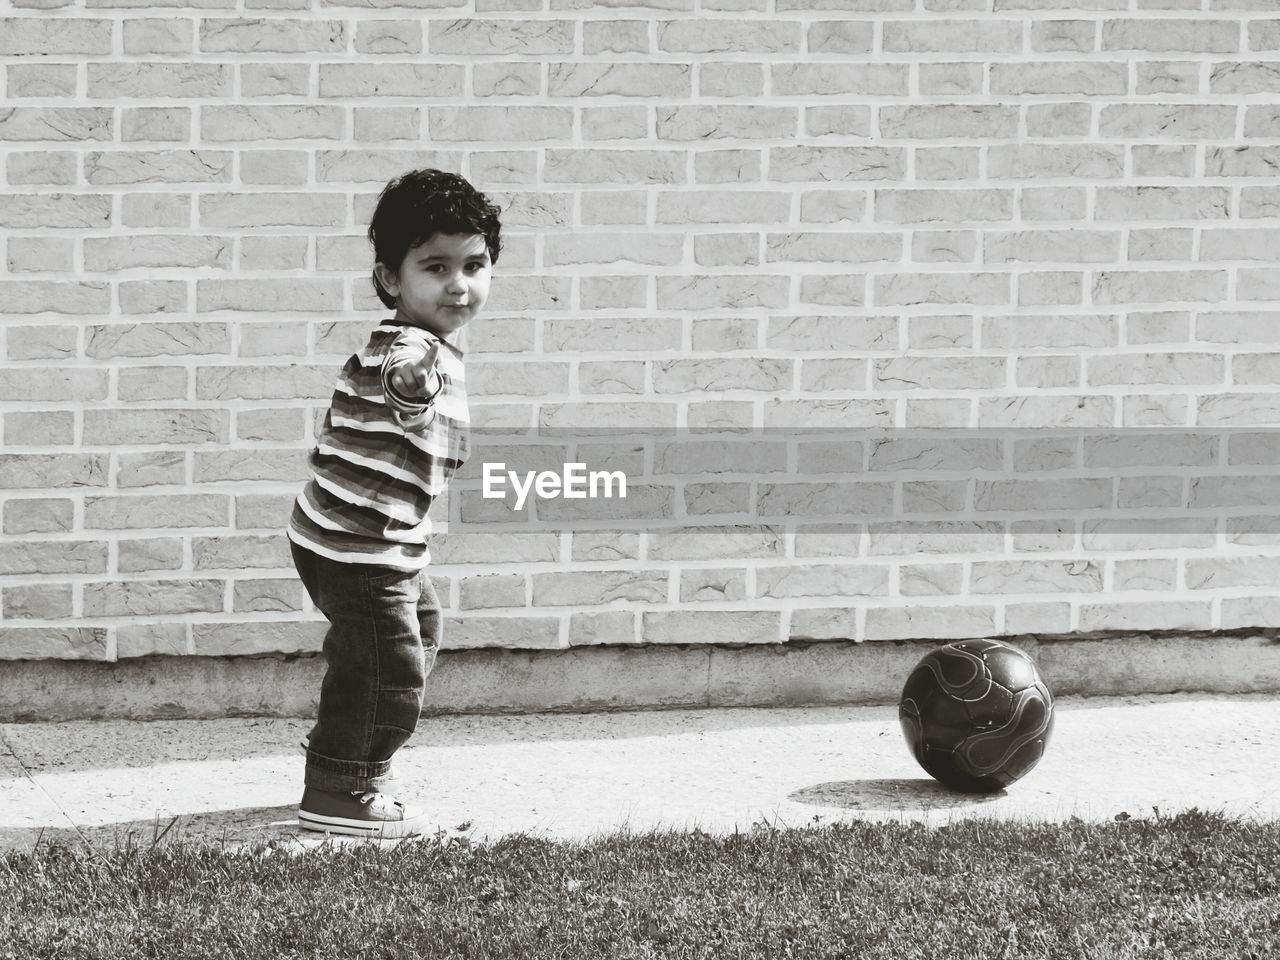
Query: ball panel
point(986, 752)
point(1011, 668)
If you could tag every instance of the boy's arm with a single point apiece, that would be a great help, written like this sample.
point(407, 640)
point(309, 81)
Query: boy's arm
point(410, 382)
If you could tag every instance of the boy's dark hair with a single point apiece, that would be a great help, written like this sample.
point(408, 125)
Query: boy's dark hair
point(414, 207)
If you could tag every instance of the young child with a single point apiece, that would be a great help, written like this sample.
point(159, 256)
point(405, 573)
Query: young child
point(394, 434)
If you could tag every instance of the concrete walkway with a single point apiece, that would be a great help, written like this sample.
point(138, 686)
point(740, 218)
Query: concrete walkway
point(111, 783)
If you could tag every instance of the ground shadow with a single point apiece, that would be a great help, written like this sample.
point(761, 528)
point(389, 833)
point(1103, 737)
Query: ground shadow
point(891, 793)
point(228, 828)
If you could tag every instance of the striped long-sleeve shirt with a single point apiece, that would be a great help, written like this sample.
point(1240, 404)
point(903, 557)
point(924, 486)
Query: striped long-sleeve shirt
point(381, 458)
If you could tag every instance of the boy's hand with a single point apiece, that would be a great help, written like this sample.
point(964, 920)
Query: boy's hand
point(414, 378)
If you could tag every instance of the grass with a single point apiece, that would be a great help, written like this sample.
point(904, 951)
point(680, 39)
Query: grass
point(1194, 885)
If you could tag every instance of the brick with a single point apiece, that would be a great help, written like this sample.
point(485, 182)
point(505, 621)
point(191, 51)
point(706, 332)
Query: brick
point(823, 623)
point(1064, 36)
point(745, 206)
point(1165, 615)
point(1182, 369)
point(722, 291)
point(625, 79)
point(157, 210)
point(614, 166)
point(930, 579)
point(822, 580)
point(157, 511)
point(614, 123)
point(724, 250)
point(159, 426)
point(492, 590)
point(376, 166)
point(44, 601)
point(950, 79)
point(1031, 411)
point(272, 36)
point(109, 254)
point(259, 511)
point(1025, 161)
point(41, 79)
point(1171, 36)
point(39, 255)
point(142, 79)
point(285, 466)
point(150, 553)
point(246, 123)
point(260, 595)
point(388, 36)
point(1035, 576)
point(42, 342)
point(272, 209)
point(179, 339)
point(615, 36)
point(241, 552)
point(841, 36)
point(1024, 618)
point(151, 383)
point(615, 627)
point(151, 639)
point(486, 37)
point(53, 556)
point(1159, 286)
point(951, 121)
point(40, 167)
point(647, 249)
point(295, 295)
point(953, 36)
point(1169, 78)
point(1060, 78)
point(55, 123)
point(1059, 120)
point(146, 35)
point(39, 429)
point(41, 36)
point(153, 296)
point(506, 79)
point(1179, 121)
point(151, 468)
point(749, 123)
point(46, 515)
point(1051, 246)
point(499, 123)
point(728, 166)
point(917, 622)
point(729, 36)
point(54, 643)
point(275, 79)
point(157, 123)
point(598, 588)
point(271, 253)
point(696, 375)
point(839, 79)
point(836, 163)
point(391, 80)
point(249, 637)
point(291, 382)
point(55, 296)
point(520, 633)
point(711, 626)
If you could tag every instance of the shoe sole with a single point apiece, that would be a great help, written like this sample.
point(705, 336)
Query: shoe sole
point(373, 829)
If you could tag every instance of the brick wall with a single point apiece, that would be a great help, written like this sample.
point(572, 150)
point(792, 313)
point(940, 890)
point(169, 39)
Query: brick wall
point(758, 214)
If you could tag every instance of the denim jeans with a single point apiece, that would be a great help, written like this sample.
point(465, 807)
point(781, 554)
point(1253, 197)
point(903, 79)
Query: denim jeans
point(384, 631)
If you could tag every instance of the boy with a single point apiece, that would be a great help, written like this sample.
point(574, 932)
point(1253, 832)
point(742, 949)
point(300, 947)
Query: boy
point(394, 434)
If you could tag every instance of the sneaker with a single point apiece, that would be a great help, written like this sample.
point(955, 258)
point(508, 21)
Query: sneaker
point(358, 813)
point(392, 772)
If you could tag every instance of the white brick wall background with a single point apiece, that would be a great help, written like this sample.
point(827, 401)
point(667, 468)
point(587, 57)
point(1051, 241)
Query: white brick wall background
point(719, 212)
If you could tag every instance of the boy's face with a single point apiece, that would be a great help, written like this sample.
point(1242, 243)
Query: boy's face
point(442, 283)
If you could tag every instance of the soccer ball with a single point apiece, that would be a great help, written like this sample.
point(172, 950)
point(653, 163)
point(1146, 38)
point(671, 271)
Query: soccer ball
point(976, 714)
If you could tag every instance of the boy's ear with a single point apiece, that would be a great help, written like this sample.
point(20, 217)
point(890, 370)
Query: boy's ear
point(389, 278)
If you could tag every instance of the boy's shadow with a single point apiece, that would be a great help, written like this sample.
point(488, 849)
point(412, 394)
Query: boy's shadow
point(889, 793)
point(236, 828)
